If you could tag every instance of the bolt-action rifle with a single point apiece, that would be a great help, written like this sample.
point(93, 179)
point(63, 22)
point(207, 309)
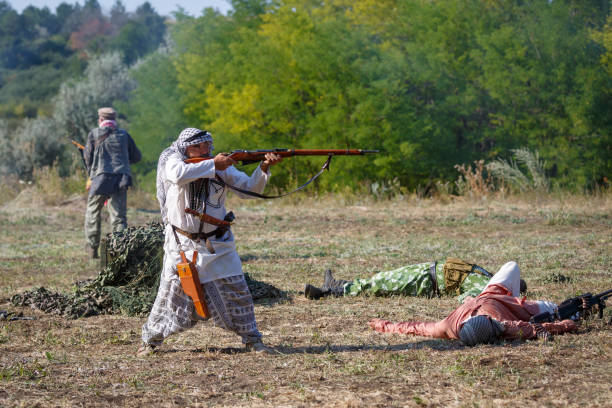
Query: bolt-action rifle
point(187, 271)
point(253, 156)
point(575, 307)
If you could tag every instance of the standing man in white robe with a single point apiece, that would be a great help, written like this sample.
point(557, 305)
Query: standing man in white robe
point(202, 187)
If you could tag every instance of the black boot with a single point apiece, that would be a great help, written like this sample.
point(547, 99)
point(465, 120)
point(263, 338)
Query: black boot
point(312, 292)
point(93, 251)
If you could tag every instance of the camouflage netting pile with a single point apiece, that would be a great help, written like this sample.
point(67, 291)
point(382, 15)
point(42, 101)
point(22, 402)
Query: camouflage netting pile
point(127, 284)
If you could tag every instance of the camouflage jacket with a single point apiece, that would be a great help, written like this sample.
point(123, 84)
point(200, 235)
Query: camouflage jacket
point(110, 151)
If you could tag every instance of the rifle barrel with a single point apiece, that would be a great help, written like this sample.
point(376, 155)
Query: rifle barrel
point(257, 155)
point(303, 152)
point(604, 295)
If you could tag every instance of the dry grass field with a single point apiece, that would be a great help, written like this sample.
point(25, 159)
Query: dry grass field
point(327, 355)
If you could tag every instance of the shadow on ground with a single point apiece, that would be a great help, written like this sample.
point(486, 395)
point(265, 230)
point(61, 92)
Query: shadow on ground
point(439, 345)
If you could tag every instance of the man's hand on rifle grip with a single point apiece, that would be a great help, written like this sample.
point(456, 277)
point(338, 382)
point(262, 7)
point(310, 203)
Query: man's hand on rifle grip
point(270, 160)
point(223, 161)
point(586, 310)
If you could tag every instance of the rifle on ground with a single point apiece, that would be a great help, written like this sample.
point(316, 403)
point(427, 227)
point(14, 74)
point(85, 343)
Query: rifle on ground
point(575, 307)
point(253, 156)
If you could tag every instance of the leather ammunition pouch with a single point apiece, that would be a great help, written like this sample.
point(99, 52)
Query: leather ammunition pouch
point(455, 272)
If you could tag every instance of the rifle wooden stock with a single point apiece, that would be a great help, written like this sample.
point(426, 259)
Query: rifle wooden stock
point(249, 156)
point(81, 150)
point(77, 144)
point(190, 281)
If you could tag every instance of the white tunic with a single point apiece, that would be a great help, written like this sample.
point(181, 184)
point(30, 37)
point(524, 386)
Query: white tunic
point(225, 261)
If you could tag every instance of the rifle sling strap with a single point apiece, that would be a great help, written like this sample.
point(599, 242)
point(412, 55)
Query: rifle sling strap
point(266, 197)
point(201, 227)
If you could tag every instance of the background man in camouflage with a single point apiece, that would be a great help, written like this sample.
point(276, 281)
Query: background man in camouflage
point(108, 153)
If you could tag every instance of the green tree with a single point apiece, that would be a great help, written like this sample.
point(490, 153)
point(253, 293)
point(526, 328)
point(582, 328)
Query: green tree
point(140, 35)
point(106, 81)
point(433, 84)
point(154, 111)
point(541, 68)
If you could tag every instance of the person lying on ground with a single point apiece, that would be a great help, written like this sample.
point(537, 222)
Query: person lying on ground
point(497, 313)
point(453, 277)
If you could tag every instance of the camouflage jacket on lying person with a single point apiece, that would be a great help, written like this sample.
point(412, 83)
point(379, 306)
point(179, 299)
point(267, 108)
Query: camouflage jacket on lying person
point(451, 278)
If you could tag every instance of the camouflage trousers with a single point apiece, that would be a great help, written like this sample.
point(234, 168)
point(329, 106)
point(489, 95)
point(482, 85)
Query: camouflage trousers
point(117, 209)
point(412, 280)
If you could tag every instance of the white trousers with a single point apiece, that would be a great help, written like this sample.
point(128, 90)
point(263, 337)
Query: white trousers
point(509, 275)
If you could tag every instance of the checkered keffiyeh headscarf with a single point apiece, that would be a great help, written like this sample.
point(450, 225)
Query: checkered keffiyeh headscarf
point(480, 329)
point(188, 137)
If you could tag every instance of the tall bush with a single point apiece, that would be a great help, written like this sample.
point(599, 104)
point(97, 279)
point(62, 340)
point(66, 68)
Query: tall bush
point(43, 141)
point(106, 81)
point(524, 172)
point(154, 125)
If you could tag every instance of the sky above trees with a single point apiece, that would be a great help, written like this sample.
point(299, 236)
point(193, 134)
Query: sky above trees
point(163, 7)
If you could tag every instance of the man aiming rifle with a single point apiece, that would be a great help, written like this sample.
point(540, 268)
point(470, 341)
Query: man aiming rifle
point(192, 186)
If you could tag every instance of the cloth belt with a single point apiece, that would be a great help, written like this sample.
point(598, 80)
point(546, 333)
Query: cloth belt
point(196, 236)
